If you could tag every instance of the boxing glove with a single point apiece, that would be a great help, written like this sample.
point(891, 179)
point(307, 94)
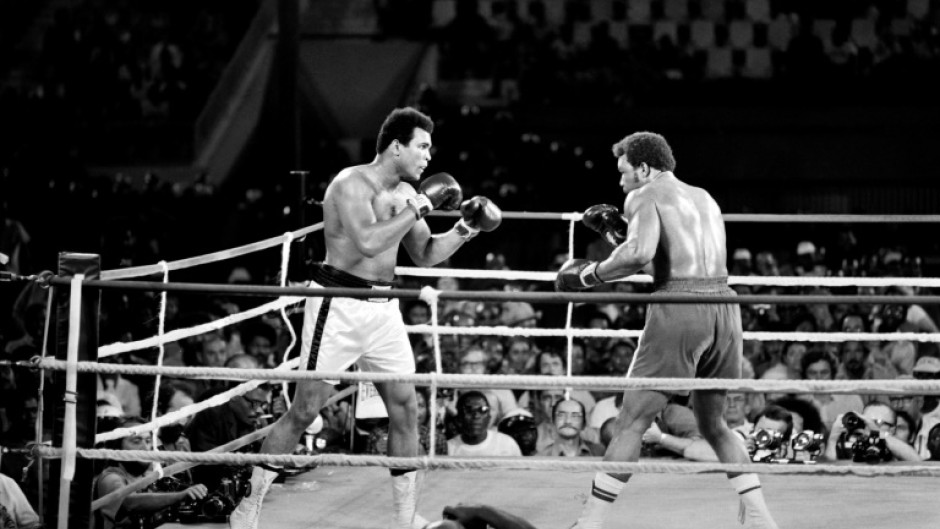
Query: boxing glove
point(438, 191)
point(607, 221)
point(577, 274)
point(478, 214)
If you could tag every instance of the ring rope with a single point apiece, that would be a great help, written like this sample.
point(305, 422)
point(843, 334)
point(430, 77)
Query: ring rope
point(179, 334)
point(822, 218)
point(189, 262)
point(490, 295)
point(176, 468)
point(508, 463)
point(780, 281)
point(191, 409)
point(886, 387)
point(763, 336)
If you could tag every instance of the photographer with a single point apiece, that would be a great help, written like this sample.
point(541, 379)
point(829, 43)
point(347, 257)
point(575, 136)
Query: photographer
point(216, 426)
point(869, 436)
point(136, 508)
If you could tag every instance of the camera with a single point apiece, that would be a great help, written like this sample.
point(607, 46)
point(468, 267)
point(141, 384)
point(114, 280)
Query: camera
point(218, 503)
point(807, 445)
point(766, 446)
point(860, 444)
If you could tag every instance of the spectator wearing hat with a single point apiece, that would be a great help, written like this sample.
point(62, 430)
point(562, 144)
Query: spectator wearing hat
point(928, 368)
point(520, 425)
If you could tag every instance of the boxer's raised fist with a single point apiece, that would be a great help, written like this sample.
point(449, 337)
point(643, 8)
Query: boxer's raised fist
point(438, 191)
point(607, 221)
point(577, 274)
point(478, 214)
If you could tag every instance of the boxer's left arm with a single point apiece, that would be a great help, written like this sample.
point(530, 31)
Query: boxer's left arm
point(427, 249)
point(643, 231)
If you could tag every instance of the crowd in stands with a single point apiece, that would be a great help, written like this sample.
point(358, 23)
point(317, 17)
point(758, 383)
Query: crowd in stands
point(122, 69)
point(618, 53)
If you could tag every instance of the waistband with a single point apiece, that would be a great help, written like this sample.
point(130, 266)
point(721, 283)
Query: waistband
point(329, 276)
point(697, 285)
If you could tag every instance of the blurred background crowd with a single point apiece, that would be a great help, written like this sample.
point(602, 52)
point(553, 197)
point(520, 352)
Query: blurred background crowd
point(775, 106)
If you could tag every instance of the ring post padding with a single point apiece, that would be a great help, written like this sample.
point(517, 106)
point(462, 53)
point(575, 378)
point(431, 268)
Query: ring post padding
point(74, 392)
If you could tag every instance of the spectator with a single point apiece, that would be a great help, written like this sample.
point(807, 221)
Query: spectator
point(778, 421)
point(566, 441)
point(879, 419)
point(473, 362)
point(928, 368)
point(554, 363)
point(474, 437)
point(803, 414)
point(520, 425)
point(519, 356)
point(424, 425)
point(620, 354)
point(174, 396)
point(15, 510)
point(216, 426)
point(259, 340)
point(818, 365)
point(139, 506)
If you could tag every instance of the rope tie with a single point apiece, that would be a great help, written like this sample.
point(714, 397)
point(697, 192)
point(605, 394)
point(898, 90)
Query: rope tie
point(285, 260)
point(161, 327)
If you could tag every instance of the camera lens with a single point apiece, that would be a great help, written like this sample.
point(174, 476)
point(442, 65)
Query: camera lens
point(851, 421)
point(213, 506)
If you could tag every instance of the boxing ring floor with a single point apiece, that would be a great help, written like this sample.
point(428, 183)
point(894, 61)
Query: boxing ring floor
point(360, 498)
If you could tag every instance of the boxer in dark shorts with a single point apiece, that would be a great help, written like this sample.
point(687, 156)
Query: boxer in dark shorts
point(690, 340)
point(675, 232)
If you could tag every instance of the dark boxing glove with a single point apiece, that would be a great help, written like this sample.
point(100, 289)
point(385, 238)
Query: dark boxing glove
point(606, 220)
point(577, 274)
point(438, 191)
point(478, 214)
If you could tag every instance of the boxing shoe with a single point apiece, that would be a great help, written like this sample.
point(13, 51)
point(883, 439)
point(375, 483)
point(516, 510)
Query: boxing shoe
point(752, 518)
point(248, 511)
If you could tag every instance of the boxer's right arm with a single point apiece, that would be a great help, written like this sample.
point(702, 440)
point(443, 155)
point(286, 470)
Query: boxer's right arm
point(358, 218)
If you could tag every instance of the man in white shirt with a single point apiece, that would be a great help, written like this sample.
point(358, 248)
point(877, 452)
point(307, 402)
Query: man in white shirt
point(475, 437)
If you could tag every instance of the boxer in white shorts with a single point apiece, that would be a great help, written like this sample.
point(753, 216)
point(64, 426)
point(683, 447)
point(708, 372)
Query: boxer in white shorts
point(340, 332)
point(368, 211)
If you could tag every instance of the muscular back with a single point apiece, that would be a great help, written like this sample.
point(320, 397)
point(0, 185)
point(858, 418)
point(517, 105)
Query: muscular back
point(354, 206)
point(691, 229)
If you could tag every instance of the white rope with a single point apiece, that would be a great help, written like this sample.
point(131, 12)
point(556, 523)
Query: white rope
point(179, 334)
point(430, 296)
point(631, 333)
point(782, 281)
point(285, 260)
point(190, 410)
point(161, 326)
point(886, 387)
point(148, 270)
point(574, 464)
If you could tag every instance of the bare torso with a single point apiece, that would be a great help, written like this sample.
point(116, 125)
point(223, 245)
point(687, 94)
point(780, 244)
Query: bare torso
point(692, 230)
point(362, 187)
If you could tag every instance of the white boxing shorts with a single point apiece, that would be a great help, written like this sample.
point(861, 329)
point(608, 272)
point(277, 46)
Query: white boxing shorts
point(340, 332)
